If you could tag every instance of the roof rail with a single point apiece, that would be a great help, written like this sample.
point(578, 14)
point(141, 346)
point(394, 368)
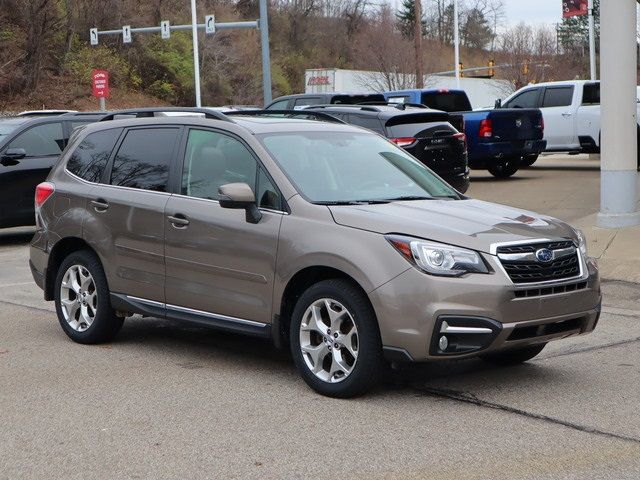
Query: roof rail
point(361, 106)
point(401, 106)
point(304, 114)
point(150, 113)
point(79, 114)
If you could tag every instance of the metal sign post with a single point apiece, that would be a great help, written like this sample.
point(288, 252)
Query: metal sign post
point(456, 42)
point(592, 42)
point(210, 27)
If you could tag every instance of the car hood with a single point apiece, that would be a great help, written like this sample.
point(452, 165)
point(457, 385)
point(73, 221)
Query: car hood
point(466, 223)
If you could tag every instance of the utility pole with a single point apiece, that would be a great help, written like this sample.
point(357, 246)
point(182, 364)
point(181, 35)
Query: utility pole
point(266, 57)
point(417, 37)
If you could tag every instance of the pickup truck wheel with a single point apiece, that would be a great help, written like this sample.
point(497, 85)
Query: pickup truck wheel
point(514, 357)
point(505, 167)
point(529, 160)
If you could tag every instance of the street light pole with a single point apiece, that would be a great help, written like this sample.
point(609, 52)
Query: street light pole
point(266, 58)
point(592, 42)
point(456, 41)
point(196, 55)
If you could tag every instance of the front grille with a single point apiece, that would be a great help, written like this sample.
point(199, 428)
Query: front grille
point(530, 269)
point(541, 292)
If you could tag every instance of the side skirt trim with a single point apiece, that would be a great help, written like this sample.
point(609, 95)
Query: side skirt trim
point(173, 312)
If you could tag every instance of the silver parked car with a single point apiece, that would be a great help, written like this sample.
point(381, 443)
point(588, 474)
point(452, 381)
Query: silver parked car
point(319, 235)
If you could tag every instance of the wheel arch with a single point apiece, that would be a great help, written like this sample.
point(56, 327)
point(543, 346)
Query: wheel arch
point(61, 250)
point(296, 286)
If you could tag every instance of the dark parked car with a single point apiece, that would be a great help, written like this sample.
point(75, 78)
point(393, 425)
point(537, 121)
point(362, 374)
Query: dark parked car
point(29, 147)
point(498, 139)
point(426, 134)
point(302, 100)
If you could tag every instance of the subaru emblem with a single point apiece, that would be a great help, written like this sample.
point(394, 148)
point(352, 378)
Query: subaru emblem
point(518, 122)
point(544, 255)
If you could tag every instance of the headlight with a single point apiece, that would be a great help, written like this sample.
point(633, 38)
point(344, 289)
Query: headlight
point(438, 258)
point(582, 242)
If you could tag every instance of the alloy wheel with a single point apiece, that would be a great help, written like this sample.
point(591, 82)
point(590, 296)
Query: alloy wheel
point(78, 298)
point(329, 340)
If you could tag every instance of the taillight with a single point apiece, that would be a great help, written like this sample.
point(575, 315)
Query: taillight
point(403, 141)
point(486, 128)
point(43, 191)
point(462, 137)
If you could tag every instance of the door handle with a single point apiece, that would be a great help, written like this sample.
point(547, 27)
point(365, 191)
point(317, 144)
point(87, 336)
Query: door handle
point(566, 114)
point(100, 205)
point(178, 220)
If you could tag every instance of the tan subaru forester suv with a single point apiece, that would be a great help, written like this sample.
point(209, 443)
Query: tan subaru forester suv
point(322, 236)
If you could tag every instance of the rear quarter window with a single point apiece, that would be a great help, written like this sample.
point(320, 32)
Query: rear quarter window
point(90, 158)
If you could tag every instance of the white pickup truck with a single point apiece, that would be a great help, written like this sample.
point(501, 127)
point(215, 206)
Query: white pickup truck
point(571, 112)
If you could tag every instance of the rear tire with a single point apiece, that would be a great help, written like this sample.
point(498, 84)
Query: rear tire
point(82, 300)
point(514, 357)
point(505, 167)
point(529, 160)
point(330, 313)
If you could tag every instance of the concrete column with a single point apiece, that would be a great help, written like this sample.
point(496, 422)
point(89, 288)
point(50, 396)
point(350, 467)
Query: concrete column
point(618, 72)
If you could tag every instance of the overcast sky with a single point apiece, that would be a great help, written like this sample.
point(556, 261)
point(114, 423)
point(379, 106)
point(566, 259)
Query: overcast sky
point(536, 12)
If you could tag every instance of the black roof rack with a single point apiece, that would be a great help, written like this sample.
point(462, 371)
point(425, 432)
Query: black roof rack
point(80, 114)
point(150, 112)
point(401, 106)
point(304, 114)
point(361, 106)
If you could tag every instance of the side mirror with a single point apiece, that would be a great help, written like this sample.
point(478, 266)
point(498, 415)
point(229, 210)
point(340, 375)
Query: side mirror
point(13, 154)
point(498, 103)
point(240, 196)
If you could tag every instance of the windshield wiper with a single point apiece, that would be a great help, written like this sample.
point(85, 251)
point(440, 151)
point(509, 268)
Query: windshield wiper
point(410, 197)
point(355, 202)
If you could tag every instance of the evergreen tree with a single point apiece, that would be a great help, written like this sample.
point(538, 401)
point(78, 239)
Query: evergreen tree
point(573, 32)
point(406, 17)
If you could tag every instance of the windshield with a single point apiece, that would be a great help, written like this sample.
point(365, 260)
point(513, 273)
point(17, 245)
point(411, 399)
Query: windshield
point(345, 167)
point(8, 126)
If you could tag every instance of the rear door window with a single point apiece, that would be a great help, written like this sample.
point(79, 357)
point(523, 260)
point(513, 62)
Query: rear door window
point(527, 99)
point(446, 101)
point(41, 141)
point(399, 99)
point(89, 160)
point(144, 158)
point(557, 97)
point(418, 130)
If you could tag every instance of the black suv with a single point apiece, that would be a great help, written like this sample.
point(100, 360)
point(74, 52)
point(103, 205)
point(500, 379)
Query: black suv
point(29, 147)
point(426, 134)
point(302, 100)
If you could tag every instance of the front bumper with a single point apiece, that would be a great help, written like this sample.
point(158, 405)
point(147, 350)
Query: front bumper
point(411, 307)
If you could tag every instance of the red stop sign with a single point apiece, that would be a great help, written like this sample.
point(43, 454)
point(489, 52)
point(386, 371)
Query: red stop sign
point(100, 82)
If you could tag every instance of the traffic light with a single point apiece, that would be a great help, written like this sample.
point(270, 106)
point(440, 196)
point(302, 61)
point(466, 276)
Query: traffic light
point(461, 69)
point(491, 71)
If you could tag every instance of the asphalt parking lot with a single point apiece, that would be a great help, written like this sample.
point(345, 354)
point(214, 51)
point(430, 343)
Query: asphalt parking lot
point(165, 401)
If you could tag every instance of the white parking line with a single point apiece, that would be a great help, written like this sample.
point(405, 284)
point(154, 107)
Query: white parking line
point(15, 284)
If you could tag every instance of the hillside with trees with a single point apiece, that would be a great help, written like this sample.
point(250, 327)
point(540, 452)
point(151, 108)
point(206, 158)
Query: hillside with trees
point(46, 59)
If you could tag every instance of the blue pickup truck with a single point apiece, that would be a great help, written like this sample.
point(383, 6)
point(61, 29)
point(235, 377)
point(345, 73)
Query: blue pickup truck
point(497, 139)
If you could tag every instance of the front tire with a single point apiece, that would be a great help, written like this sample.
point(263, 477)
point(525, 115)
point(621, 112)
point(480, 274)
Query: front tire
point(82, 300)
point(504, 167)
point(335, 341)
point(514, 357)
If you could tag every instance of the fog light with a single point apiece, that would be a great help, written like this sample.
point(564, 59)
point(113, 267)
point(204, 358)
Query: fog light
point(443, 343)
